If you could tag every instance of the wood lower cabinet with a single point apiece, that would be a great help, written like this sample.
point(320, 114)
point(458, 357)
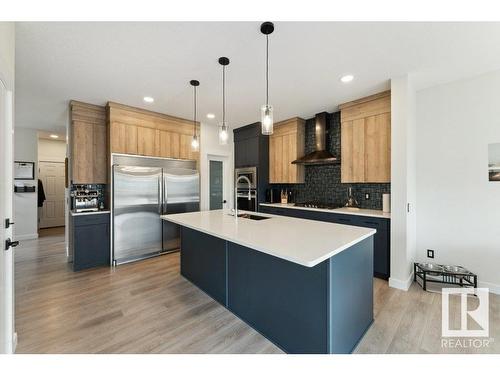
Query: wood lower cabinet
point(366, 140)
point(138, 132)
point(88, 144)
point(286, 145)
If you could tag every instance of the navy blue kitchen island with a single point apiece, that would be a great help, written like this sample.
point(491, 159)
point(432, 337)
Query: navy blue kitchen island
point(300, 306)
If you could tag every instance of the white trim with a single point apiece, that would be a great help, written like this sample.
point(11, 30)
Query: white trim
point(24, 237)
point(14, 342)
point(401, 284)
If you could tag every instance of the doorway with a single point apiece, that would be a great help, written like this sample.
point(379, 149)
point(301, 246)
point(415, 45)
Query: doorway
point(51, 175)
point(216, 184)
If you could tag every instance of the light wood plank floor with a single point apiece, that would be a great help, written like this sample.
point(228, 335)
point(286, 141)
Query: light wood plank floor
point(147, 307)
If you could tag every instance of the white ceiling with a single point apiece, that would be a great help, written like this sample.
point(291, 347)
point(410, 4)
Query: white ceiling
point(123, 62)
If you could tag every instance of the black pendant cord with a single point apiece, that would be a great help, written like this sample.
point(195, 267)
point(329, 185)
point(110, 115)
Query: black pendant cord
point(194, 122)
point(267, 70)
point(223, 61)
point(223, 95)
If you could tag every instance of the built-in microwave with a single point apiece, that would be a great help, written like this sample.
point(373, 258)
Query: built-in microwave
point(250, 173)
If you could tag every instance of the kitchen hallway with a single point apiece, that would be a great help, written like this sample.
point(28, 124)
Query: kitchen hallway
point(147, 307)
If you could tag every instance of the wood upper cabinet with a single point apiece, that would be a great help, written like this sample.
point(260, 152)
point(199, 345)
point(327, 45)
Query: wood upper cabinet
point(124, 140)
point(88, 144)
point(146, 141)
point(287, 144)
point(366, 139)
point(139, 132)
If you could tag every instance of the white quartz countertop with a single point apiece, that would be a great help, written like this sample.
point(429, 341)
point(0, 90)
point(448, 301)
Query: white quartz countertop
point(305, 242)
point(341, 210)
point(74, 213)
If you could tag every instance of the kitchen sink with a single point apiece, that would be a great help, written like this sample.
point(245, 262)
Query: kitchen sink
point(253, 217)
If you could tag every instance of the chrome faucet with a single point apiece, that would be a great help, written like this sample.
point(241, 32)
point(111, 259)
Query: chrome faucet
point(236, 193)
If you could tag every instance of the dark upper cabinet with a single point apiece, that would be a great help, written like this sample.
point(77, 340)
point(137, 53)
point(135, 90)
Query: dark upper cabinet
point(251, 149)
point(381, 241)
point(246, 153)
point(249, 145)
point(89, 238)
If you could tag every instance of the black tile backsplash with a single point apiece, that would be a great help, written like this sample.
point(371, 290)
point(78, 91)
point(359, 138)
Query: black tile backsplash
point(322, 182)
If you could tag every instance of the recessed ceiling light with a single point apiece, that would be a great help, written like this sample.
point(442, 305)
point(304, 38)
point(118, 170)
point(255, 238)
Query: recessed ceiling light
point(210, 115)
point(148, 99)
point(347, 78)
point(55, 136)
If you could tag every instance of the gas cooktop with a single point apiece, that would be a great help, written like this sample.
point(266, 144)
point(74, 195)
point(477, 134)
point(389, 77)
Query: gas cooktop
point(327, 206)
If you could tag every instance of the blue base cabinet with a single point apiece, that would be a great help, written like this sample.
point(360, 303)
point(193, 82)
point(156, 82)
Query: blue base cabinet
point(381, 247)
point(203, 262)
point(89, 239)
point(322, 309)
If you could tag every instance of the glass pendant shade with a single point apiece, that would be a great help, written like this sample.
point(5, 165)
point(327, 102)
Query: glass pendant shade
point(195, 143)
point(223, 133)
point(267, 122)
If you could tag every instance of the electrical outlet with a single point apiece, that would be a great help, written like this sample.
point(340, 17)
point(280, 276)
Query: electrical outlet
point(367, 196)
point(430, 253)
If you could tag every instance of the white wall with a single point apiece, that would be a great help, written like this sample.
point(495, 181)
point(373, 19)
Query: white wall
point(459, 209)
point(51, 150)
point(25, 204)
point(403, 192)
point(210, 147)
point(7, 53)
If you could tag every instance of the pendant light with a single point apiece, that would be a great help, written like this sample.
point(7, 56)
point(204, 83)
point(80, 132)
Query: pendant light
point(223, 128)
point(266, 111)
point(195, 142)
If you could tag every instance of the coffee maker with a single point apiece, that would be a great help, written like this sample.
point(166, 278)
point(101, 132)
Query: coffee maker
point(84, 199)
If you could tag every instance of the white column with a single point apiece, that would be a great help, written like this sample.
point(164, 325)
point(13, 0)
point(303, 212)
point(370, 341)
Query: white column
point(403, 182)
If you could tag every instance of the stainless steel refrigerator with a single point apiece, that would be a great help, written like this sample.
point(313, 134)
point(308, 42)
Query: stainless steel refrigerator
point(143, 189)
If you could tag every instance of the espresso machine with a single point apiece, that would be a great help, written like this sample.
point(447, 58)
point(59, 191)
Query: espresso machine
point(85, 199)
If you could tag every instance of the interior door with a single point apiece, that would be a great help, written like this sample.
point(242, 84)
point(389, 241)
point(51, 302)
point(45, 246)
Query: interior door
point(52, 176)
point(216, 188)
point(6, 257)
point(137, 227)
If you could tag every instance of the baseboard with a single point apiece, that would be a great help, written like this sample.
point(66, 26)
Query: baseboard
point(401, 284)
point(405, 285)
point(24, 237)
point(494, 288)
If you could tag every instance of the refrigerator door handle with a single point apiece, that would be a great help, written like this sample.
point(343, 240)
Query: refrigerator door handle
point(159, 196)
point(165, 196)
